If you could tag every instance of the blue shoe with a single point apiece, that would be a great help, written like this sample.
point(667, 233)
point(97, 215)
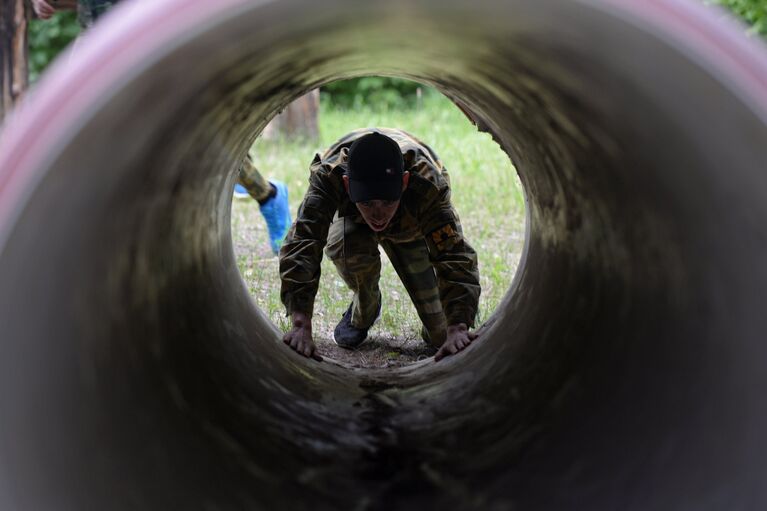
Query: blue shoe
point(277, 215)
point(240, 192)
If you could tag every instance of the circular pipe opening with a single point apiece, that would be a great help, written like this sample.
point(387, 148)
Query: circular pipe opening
point(485, 191)
point(625, 367)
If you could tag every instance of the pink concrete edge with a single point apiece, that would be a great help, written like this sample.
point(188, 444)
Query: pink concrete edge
point(125, 39)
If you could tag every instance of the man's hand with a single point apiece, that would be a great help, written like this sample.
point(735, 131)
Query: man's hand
point(300, 336)
point(43, 9)
point(458, 337)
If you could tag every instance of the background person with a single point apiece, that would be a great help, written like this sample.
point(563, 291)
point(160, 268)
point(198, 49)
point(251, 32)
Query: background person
point(272, 198)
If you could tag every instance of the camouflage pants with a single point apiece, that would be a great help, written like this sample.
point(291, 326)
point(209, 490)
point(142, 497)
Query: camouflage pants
point(88, 11)
point(353, 248)
point(256, 185)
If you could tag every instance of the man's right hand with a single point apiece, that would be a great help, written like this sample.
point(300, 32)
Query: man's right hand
point(300, 336)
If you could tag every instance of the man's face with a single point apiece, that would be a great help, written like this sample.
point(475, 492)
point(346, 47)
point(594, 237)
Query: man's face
point(378, 213)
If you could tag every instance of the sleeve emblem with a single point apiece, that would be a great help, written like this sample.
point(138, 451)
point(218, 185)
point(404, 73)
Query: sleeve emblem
point(445, 237)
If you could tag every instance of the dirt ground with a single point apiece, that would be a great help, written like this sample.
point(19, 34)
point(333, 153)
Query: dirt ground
point(380, 350)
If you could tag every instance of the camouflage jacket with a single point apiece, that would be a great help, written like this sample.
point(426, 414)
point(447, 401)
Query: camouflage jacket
point(425, 212)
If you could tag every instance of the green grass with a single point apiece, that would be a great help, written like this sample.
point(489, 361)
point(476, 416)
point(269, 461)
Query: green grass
point(486, 194)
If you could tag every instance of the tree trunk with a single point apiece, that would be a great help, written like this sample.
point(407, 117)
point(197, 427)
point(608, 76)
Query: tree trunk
point(13, 53)
point(298, 120)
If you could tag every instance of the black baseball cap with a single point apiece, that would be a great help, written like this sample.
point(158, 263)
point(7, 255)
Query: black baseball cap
point(375, 168)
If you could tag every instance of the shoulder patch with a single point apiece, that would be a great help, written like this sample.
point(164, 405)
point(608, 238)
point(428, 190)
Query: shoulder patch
point(445, 237)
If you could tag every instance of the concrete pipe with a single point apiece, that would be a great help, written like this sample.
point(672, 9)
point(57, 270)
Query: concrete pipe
point(625, 369)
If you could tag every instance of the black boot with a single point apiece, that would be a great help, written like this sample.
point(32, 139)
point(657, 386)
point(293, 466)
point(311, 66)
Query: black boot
point(347, 335)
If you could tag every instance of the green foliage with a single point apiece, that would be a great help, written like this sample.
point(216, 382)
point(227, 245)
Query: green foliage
point(753, 12)
point(379, 92)
point(47, 38)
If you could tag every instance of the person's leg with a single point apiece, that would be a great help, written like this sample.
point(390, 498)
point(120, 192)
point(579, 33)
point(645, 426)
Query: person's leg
point(272, 198)
point(255, 184)
point(354, 250)
point(411, 262)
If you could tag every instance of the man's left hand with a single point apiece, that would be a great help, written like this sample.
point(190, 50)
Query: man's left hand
point(458, 337)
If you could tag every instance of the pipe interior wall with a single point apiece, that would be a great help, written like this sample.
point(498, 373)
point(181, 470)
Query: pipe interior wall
point(625, 369)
